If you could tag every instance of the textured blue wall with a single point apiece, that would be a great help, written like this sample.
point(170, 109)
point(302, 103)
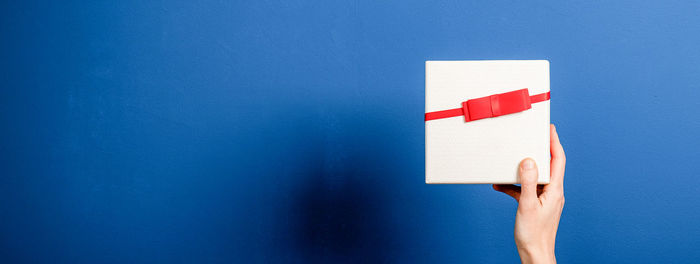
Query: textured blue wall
point(292, 131)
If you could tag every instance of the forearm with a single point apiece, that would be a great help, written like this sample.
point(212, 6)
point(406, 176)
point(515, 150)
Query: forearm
point(536, 256)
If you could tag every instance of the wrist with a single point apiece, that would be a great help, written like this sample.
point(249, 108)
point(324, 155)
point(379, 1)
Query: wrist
point(536, 255)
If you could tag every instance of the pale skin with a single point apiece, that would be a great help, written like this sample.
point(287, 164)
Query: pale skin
point(539, 207)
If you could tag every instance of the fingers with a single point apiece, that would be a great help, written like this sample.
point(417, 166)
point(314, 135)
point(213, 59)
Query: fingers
point(528, 182)
point(558, 161)
point(514, 191)
point(509, 189)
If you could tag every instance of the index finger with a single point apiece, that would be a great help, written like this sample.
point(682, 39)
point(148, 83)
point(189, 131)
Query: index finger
point(558, 162)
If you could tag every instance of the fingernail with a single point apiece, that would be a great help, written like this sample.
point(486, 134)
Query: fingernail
point(528, 164)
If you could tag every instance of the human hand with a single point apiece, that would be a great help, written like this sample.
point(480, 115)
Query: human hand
point(539, 207)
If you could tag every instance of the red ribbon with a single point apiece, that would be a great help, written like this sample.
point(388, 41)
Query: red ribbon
point(492, 106)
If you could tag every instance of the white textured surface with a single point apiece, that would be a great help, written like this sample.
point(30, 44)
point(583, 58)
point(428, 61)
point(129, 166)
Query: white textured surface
point(487, 150)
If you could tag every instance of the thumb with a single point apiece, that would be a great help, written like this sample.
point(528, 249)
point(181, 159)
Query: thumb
point(528, 181)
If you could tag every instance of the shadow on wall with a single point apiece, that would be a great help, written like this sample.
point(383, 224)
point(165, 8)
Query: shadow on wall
point(310, 190)
point(343, 223)
point(343, 211)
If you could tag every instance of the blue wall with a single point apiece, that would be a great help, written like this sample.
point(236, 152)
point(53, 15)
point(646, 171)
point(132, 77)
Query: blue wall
point(292, 131)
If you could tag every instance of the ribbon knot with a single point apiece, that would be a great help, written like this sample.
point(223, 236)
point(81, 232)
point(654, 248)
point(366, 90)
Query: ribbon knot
point(492, 106)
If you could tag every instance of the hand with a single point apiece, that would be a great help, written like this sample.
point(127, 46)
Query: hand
point(539, 207)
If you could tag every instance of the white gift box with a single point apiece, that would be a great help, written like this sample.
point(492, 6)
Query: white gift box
point(459, 149)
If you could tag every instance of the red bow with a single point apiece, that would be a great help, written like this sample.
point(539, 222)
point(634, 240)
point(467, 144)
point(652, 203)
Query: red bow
point(492, 106)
